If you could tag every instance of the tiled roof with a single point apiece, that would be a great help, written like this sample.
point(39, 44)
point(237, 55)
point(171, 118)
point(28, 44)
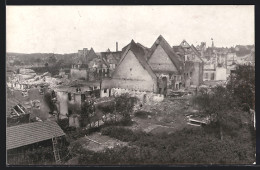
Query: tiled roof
point(26, 134)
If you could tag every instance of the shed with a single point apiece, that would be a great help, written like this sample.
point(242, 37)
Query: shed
point(30, 133)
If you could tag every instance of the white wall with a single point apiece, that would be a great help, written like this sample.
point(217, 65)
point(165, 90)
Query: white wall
point(221, 73)
point(62, 98)
point(103, 94)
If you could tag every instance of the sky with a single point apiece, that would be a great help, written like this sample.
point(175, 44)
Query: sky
point(67, 29)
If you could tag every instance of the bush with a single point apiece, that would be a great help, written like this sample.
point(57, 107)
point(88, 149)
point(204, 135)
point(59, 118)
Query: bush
point(187, 146)
point(142, 114)
point(78, 133)
point(120, 133)
point(64, 124)
point(106, 107)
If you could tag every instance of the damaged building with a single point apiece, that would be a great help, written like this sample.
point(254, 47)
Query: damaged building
point(155, 70)
point(193, 64)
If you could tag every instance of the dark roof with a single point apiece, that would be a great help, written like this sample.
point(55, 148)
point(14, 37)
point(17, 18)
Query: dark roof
point(90, 55)
point(196, 52)
point(179, 50)
point(145, 49)
point(117, 55)
point(26, 134)
point(177, 61)
point(140, 55)
point(195, 49)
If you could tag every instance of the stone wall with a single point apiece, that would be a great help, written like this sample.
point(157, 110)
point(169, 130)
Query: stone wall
point(142, 96)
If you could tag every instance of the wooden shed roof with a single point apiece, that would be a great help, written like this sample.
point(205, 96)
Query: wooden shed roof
point(26, 134)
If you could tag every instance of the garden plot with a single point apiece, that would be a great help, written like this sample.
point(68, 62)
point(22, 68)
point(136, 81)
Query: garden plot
point(157, 117)
point(97, 142)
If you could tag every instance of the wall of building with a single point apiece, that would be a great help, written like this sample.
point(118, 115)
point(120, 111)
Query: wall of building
point(74, 121)
point(140, 85)
point(104, 92)
point(62, 98)
point(78, 73)
point(193, 74)
point(160, 61)
point(221, 73)
point(209, 73)
point(130, 74)
point(142, 96)
point(197, 74)
point(77, 98)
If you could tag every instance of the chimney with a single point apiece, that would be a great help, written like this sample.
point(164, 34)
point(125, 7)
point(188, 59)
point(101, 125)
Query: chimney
point(116, 46)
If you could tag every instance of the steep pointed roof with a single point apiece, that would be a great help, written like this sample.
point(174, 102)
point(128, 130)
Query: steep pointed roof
point(196, 52)
point(185, 44)
point(91, 55)
point(139, 54)
point(176, 59)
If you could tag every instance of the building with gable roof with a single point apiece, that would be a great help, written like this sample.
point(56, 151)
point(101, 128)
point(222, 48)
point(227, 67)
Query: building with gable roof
point(193, 64)
point(86, 64)
point(166, 64)
point(110, 60)
point(132, 73)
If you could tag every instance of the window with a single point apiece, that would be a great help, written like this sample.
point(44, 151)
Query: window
point(105, 90)
point(69, 96)
point(53, 94)
point(190, 74)
point(212, 76)
point(78, 90)
point(130, 69)
point(83, 97)
point(206, 75)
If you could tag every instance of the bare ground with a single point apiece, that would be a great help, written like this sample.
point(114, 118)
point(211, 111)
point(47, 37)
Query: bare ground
point(166, 116)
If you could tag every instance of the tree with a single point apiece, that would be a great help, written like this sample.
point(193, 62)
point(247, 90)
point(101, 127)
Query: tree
point(216, 103)
point(49, 102)
point(242, 84)
point(52, 59)
point(60, 63)
point(124, 105)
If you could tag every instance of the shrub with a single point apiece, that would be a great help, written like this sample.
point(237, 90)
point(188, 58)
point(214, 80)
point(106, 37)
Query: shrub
point(142, 114)
point(64, 124)
point(119, 133)
point(186, 146)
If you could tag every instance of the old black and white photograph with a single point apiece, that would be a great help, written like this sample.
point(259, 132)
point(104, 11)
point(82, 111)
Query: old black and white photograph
point(95, 85)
